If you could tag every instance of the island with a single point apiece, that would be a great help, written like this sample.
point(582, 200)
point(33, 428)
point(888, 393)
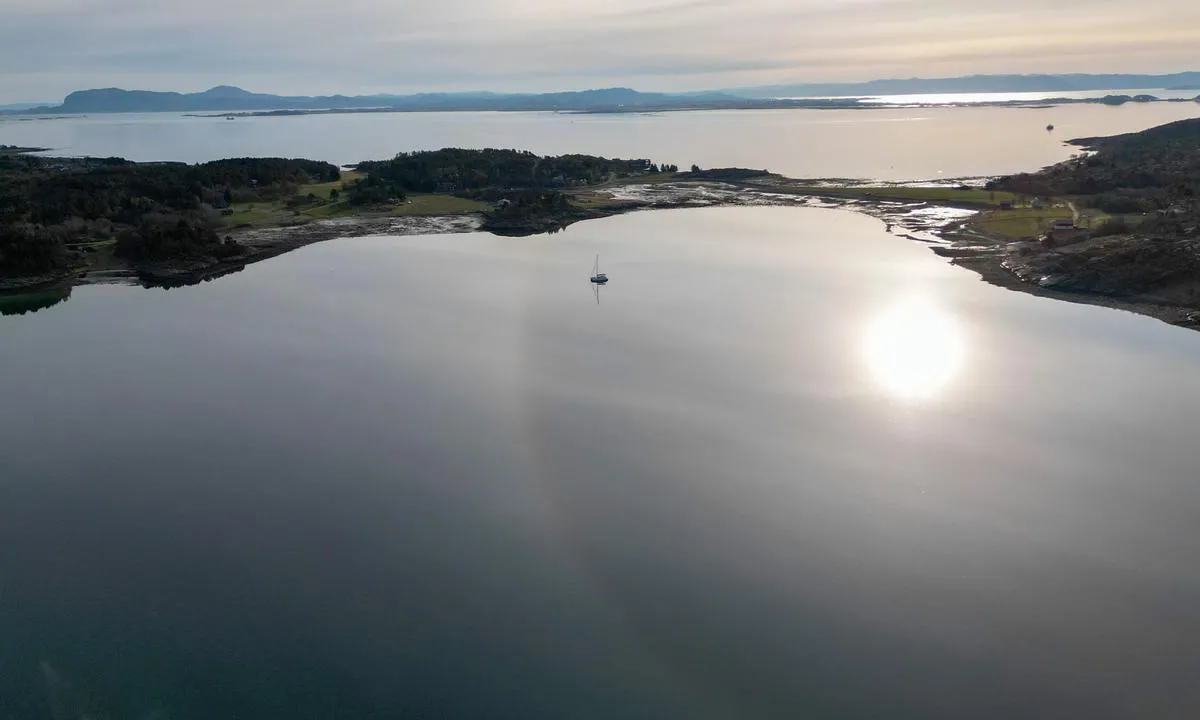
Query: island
point(1114, 226)
point(17, 150)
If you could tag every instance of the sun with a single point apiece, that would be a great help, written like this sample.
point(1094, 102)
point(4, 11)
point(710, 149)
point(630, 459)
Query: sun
point(913, 350)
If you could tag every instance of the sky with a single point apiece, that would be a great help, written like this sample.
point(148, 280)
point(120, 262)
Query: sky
point(49, 48)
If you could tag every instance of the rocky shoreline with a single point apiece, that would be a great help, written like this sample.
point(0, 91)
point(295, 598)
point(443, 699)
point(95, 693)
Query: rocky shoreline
point(1104, 272)
point(30, 283)
point(265, 243)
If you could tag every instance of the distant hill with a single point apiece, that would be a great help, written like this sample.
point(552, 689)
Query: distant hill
point(222, 97)
point(973, 83)
point(227, 98)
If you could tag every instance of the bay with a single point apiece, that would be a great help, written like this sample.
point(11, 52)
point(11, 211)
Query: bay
point(438, 476)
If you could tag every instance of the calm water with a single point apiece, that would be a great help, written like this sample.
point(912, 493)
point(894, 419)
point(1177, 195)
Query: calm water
point(890, 144)
point(432, 477)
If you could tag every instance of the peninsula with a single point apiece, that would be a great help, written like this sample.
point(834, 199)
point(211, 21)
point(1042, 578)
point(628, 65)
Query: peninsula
point(1119, 226)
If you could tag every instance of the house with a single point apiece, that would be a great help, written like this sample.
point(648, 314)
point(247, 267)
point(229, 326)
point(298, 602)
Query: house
point(1063, 232)
point(1006, 205)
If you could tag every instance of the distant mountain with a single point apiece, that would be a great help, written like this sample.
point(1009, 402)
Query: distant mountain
point(222, 97)
point(225, 98)
point(971, 84)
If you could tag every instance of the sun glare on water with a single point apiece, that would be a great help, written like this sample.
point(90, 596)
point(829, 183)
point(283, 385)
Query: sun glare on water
point(913, 350)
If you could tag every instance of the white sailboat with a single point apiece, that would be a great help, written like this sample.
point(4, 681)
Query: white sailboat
point(598, 277)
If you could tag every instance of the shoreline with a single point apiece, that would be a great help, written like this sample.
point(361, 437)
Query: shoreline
point(996, 265)
point(944, 224)
point(995, 273)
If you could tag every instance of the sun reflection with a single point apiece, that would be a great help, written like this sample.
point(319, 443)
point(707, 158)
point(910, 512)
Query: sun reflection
point(913, 350)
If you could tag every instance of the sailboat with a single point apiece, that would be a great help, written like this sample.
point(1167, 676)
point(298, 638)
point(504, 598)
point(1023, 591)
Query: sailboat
point(598, 277)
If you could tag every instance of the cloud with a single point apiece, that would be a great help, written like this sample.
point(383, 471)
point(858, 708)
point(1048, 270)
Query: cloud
point(50, 47)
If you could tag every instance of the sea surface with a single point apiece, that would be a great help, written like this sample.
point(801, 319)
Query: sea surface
point(886, 144)
point(785, 465)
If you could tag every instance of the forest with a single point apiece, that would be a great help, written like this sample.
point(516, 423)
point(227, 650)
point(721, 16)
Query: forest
point(456, 170)
point(1157, 169)
point(152, 211)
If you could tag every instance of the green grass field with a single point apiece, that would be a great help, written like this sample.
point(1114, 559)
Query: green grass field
point(322, 190)
point(439, 205)
point(262, 214)
point(1021, 222)
point(278, 214)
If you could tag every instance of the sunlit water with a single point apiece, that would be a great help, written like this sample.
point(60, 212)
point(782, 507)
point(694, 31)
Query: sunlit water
point(988, 97)
point(786, 466)
point(889, 144)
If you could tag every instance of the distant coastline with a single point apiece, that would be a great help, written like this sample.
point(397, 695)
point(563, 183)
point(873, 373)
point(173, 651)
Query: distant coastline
point(741, 104)
point(225, 99)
